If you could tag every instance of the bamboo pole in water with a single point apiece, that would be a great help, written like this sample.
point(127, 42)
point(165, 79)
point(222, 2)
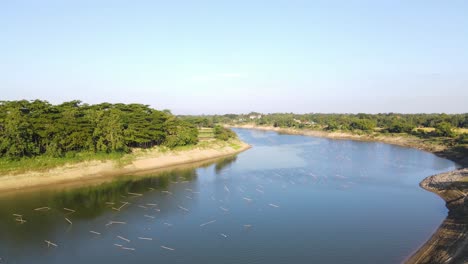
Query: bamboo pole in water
point(168, 248)
point(50, 243)
point(69, 210)
point(207, 223)
point(124, 239)
point(45, 208)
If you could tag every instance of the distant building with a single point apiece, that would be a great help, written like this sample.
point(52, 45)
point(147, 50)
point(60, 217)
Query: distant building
point(255, 116)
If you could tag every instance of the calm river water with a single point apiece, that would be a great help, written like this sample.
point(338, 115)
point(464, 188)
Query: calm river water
point(289, 199)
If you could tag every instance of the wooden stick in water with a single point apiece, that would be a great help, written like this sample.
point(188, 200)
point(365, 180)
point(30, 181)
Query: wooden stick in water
point(21, 220)
point(50, 243)
point(207, 223)
point(126, 248)
point(68, 220)
point(42, 209)
point(94, 232)
point(135, 194)
point(168, 248)
point(145, 238)
point(183, 208)
point(69, 210)
point(124, 239)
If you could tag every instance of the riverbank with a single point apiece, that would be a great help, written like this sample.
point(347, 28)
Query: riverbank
point(449, 244)
point(156, 158)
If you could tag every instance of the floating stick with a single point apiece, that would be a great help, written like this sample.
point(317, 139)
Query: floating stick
point(188, 197)
point(223, 235)
point(149, 216)
point(183, 208)
point(145, 238)
point(260, 191)
point(21, 220)
point(224, 209)
point(126, 248)
point(190, 190)
point(152, 204)
point(135, 194)
point(168, 192)
point(94, 232)
point(168, 248)
point(118, 245)
point(68, 220)
point(207, 223)
point(124, 239)
point(226, 188)
point(115, 222)
point(247, 199)
point(42, 209)
point(69, 210)
point(157, 210)
point(122, 206)
point(151, 189)
point(17, 215)
point(110, 203)
point(142, 206)
point(168, 224)
point(273, 205)
point(247, 226)
point(50, 243)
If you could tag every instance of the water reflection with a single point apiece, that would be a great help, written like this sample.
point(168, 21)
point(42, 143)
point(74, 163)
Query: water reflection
point(288, 199)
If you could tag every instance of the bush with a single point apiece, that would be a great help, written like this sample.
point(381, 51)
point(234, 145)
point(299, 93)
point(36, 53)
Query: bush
point(444, 129)
point(223, 133)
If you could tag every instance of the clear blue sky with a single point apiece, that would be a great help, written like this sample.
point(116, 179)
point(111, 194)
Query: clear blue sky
point(238, 56)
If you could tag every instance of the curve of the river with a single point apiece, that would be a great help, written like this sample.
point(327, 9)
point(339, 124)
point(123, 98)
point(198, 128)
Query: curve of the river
point(289, 199)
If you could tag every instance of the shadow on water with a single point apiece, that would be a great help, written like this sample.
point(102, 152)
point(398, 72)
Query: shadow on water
point(224, 164)
point(88, 202)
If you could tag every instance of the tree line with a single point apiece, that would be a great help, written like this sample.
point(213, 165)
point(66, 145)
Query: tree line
point(443, 124)
point(33, 128)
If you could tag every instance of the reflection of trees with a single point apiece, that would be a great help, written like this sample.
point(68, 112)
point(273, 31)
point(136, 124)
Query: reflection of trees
point(89, 203)
point(225, 162)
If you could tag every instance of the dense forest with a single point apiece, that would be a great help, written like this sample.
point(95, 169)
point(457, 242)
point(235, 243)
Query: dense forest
point(33, 128)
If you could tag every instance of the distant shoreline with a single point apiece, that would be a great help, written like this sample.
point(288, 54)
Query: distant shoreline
point(88, 171)
point(444, 246)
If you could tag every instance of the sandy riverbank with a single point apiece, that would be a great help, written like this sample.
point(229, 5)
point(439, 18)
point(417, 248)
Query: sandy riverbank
point(87, 171)
point(449, 244)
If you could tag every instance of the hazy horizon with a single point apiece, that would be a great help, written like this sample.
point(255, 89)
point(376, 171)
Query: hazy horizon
point(212, 57)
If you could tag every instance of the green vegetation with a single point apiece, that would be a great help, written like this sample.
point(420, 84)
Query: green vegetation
point(223, 133)
point(37, 131)
point(449, 131)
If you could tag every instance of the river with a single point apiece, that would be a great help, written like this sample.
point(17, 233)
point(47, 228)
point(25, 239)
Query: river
point(288, 199)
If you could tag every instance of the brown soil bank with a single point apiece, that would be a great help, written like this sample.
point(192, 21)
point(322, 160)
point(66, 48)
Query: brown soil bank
point(449, 244)
point(87, 172)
